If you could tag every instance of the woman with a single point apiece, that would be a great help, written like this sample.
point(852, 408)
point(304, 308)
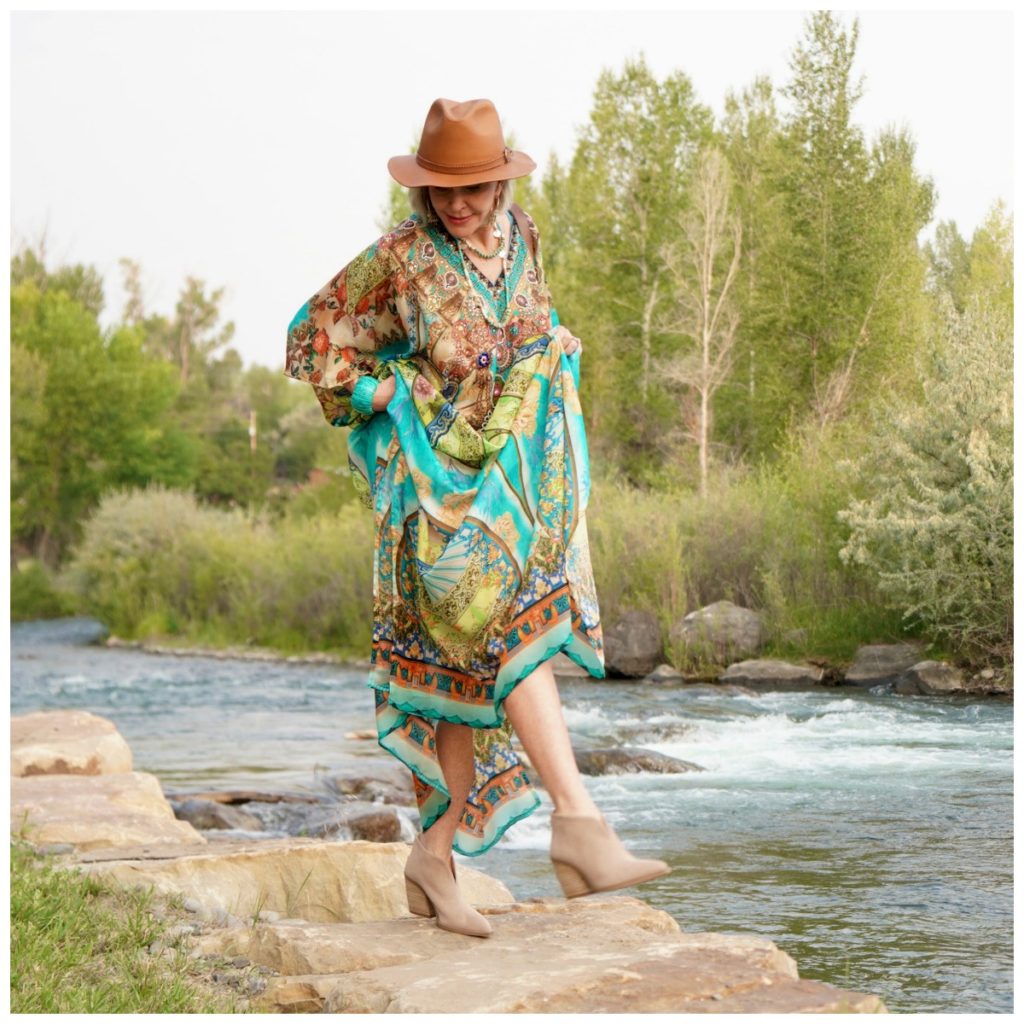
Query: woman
point(439, 346)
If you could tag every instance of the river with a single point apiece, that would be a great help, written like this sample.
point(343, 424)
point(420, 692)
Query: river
point(866, 834)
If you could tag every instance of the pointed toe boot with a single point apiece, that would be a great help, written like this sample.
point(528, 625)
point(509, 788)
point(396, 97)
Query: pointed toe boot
point(431, 890)
point(589, 857)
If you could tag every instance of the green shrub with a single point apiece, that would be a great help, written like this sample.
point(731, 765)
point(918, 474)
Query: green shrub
point(34, 595)
point(158, 561)
point(937, 527)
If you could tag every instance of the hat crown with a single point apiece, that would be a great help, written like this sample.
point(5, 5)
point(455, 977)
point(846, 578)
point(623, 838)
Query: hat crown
point(461, 137)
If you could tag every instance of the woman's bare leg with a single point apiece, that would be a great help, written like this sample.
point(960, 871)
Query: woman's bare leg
point(455, 756)
point(535, 710)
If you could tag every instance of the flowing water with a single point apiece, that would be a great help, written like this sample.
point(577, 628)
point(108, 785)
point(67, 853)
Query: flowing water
point(867, 835)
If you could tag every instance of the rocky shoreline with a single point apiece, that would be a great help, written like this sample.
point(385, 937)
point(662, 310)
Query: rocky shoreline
point(722, 634)
point(320, 925)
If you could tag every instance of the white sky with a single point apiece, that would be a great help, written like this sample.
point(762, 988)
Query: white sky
point(248, 149)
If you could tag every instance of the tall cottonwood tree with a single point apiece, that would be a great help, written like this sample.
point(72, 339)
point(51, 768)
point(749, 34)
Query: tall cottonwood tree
point(611, 211)
point(700, 269)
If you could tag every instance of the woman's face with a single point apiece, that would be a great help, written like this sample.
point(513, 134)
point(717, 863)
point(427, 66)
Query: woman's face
point(466, 210)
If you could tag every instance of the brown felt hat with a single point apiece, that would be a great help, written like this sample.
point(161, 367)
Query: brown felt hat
point(461, 144)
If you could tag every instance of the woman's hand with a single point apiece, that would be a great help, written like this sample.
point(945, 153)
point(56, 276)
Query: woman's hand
point(570, 343)
point(384, 393)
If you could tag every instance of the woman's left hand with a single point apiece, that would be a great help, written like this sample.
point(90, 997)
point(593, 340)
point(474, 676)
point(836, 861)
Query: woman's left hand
point(570, 343)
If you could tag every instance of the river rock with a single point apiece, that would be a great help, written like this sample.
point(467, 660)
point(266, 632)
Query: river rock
point(361, 819)
point(874, 664)
point(770, 674)
point(598, 954)
point(310, 879)
point(632, 646)
point(244, 796)
point(719, 632)
point(95, 811)
point(630, 761)
point(67, 743)
point(209, 814)
point(933, 678)
point(383, 783)
point(665, 673)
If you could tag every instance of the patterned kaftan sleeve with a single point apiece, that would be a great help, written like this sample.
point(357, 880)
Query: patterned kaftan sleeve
point(355, 324)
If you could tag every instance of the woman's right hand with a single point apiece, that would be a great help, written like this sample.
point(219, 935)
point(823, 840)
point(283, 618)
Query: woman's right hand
point(384, 393)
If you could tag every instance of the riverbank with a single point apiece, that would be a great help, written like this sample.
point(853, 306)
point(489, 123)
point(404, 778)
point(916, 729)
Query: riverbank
point(901, 668)
point(866, 834)
point(354, 947)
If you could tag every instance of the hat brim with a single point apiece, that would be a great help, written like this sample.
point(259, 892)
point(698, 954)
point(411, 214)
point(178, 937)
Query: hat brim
point(406, 171)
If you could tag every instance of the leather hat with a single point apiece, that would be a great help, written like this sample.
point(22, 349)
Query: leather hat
point(461, 144)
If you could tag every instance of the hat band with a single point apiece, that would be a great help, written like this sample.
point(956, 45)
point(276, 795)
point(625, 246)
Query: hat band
point(479, 165)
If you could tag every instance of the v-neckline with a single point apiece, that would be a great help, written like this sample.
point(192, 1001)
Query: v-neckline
point(504, 269)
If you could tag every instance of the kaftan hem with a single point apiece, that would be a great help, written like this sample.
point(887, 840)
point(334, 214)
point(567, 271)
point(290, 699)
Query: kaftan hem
point(513, 810)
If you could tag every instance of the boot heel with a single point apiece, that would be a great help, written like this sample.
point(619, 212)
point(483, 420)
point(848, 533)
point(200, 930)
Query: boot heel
point(572, 882)
point(419, 902)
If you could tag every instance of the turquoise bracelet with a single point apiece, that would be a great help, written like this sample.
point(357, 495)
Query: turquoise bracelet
point(362, 395)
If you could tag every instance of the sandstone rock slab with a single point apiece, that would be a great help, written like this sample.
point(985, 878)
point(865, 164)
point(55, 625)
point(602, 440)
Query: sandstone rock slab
point(95, 811)
point(603, 953)
point(313, 880)
point(67, 743)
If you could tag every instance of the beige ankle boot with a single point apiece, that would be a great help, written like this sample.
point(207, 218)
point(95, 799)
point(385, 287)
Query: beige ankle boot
point(589, 857)
point(431, 889)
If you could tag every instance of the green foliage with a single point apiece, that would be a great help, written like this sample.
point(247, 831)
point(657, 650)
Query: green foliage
point(79, 282)
point(78, 945)
point(609, 215)
point(158, 561)
point(87, 414)
point(765, 538)
point(981, 270)
point(937, 527)
point(34, 595)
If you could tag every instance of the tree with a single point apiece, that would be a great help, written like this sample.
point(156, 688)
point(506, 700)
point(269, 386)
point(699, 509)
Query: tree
point(611, 211)
point(700, 270)
point(87, 414)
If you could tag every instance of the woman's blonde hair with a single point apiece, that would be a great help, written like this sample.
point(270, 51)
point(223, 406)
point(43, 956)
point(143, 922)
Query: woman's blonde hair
point(419, 199)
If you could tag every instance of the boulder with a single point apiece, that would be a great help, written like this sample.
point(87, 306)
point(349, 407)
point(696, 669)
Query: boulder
point(933, 678)
point(598, 954)
point(719, 632)
point(874, 664)
point(770, 674)
point(310, 879)
point(95, 811)
point(629, 761)
point(67, 743)
point(632, 646)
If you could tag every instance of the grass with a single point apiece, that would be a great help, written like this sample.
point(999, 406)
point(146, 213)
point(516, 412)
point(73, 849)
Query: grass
point(81, 945)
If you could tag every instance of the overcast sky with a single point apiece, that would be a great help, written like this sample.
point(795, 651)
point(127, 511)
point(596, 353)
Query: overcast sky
point(249, 149)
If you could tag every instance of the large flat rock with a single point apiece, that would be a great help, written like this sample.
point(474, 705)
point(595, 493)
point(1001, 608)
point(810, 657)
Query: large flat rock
point(598, 954)
point(67, 743)
point(95, 811)
point(316, 880)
